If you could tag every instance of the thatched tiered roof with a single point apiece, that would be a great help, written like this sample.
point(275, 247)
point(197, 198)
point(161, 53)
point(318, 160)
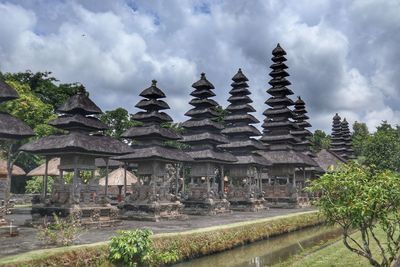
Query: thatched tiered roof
point(278, 123)
point(302, 133)
point(152, 135)
point(346, 136)
point(11, 127)
point(76, 117)
point(337, 142)
point(238, 124)
point(203, 132)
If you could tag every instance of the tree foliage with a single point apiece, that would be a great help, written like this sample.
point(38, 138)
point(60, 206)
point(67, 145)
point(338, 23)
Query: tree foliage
point(118, 121)
point(367, 200)
point(359, 138)
point(320, 140)
point(382, 149)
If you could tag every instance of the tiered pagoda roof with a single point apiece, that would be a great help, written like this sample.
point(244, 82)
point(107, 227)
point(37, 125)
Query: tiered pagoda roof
point(346, 136)
point(203, 132)
point(278, 123)
point(238, 124)
point(11, 127)
point(152, 135)
point(302, 133)
point(76, 117)
point(337, 142)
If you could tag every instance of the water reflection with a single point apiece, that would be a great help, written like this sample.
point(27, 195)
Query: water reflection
point(267, 252)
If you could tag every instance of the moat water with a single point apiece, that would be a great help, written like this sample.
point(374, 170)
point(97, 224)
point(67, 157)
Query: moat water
point(268, 252)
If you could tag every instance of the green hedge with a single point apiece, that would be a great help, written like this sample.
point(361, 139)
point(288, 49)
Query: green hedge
point(188, 244)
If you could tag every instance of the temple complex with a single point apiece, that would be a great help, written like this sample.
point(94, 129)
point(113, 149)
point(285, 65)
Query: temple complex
point(77, 149)
point(205, 193)
point(283, 188)
point(156, 196)
point(11, 130)
point(244, 191)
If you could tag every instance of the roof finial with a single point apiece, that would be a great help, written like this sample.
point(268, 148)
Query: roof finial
point(154, 83)
point(203, 75)
point(240, 70)
point(81, 90)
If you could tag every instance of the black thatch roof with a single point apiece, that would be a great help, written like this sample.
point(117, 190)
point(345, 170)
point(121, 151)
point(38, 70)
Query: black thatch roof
point(346, 136)
point(202, 129)
point(77, 142)
point(203, 83)
point(253, 159)
point(238, 122)
point(278, 123)
point(80, 104)
point(248, 130)
point(204, 124)
point(206, 137)
point(302, 133)
point(327, 159)
point(101, 163)
point(152, 92)
point(209, 155)
point(156, 117)
point(7, 92)
point(338, 145)
point(249, 145)
point(152, 104)
point(150, 131)
point(13, 128)
point(288, 157)
point(156, 152)
point(78, 122)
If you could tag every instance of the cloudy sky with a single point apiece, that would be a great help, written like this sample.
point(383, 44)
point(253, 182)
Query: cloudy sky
point(343, 56)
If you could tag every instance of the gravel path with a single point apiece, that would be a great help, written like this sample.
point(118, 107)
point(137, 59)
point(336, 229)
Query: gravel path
point(27, 240)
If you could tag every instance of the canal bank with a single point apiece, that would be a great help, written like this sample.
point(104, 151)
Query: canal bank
point(188, 244)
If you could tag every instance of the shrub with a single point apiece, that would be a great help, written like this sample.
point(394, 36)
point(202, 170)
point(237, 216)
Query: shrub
point(61, 232)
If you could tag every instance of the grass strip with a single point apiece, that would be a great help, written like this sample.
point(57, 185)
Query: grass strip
point(187, 244)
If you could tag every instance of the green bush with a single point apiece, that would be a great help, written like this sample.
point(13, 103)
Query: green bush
point(62, 232)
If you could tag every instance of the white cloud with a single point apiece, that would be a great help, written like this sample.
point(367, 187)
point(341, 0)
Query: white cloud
point(342, 56)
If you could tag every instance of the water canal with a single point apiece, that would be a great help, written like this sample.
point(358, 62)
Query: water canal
point(267, 252)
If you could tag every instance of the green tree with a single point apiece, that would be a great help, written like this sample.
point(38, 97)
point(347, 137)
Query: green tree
point(45, 86)
point(382, 149)
point(118, 121)
point(30, 109)
point(359, 138)
point(320, 140)
point(367, 200)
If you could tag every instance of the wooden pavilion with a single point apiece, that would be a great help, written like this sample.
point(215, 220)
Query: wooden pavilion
point(77, 150)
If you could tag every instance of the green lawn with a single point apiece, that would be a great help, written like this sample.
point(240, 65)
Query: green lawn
point(333, 255)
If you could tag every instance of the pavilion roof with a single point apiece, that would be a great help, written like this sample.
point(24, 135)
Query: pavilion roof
point(80, 104)
point(117, 177)
point(7, 92)
point(77, 142)
point(327, 159)
point(78, 121)
point(287, 157)
point(13, 128)
point(16, 170)
point(155, 152)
